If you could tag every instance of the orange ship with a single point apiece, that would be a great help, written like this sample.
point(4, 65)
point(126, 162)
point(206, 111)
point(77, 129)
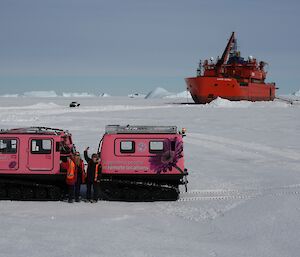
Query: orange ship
point(231, 77)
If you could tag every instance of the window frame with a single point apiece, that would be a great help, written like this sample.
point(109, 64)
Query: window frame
point(124, 151)
point(45, 151)
point(10, 138)
point(156, 150)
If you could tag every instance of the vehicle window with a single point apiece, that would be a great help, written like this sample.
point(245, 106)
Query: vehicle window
point(41, 146)
point(127, 147)
point(8, 146)
point(156, 146)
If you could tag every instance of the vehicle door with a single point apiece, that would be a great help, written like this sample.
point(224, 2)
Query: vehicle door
point(40, 154)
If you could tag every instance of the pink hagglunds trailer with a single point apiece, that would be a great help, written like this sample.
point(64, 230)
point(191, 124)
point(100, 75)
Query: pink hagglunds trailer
point(142, 163)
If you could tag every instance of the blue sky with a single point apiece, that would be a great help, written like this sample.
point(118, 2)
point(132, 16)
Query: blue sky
point(125, 46)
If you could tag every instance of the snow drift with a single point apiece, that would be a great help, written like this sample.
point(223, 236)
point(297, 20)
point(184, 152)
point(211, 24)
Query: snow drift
point(136, 95)
point(40, 94)
point(104, 95)
point(184, 94)
point(224, 103)
point(297, 93)
point(9, 95)
point(75, 94)
point(158, 92)
point(38, 106)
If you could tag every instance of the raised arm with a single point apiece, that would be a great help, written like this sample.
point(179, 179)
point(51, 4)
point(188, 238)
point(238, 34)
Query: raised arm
point(86, 156)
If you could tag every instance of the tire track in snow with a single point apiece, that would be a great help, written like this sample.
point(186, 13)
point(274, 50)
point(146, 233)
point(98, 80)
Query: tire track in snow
point(205, 205)
point(236, 197)
point(239, 191)
point(220, 198)
point(239, 148)
point(206, 195)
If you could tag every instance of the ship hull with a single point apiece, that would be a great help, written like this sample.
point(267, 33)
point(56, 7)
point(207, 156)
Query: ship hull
point(205, 89)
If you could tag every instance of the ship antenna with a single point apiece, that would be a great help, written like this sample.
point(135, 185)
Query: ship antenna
point(199, 69)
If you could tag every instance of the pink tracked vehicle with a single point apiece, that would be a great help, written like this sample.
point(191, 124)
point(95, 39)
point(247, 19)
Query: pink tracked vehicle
point(142, 163)
point(30, 163)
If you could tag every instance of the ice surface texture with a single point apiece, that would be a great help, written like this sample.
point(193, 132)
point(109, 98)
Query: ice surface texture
point(243, 160)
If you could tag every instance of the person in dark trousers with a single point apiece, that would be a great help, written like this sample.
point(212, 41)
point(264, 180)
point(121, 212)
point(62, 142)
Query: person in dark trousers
point(98, 172)
point(93, 174)
point(79, 164)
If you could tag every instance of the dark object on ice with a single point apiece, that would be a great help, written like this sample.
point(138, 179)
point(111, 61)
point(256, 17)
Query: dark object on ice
point(74, 104)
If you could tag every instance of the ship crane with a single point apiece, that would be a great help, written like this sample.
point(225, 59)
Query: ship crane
point(231, 44)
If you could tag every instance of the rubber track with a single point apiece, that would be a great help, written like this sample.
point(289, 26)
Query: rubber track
point(146, 184)
point(23, 185)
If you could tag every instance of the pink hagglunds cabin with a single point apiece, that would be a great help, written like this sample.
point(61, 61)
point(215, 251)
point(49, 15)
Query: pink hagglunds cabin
point(30, 161)
point(139, 163)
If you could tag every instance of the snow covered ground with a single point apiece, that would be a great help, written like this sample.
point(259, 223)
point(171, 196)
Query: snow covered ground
point(244, 190)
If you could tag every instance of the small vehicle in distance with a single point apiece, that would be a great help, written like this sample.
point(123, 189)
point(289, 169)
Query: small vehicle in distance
point(142, 163)
point(74, 104)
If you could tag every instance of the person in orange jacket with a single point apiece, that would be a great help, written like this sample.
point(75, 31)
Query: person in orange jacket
point(71, 179)
point(79, 165)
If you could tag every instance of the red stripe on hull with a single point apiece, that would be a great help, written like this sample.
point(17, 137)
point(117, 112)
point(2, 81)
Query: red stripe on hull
point(206, 89)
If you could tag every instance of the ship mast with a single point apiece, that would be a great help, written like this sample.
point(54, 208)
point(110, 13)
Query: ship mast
point(226, 52)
